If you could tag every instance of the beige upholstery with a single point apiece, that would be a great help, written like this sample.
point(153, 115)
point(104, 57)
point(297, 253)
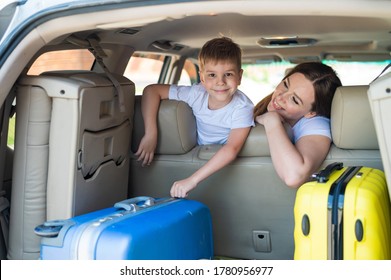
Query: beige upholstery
point(87, 120)
point(176, 128)
point(352, 124)
point(71, 151)
point(353, 130)
point(256, 143)
point(225, 191)
point(28, 201)
point(178, 132)
point(251, 179)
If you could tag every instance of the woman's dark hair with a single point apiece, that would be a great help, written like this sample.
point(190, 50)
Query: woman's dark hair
point(325, 82)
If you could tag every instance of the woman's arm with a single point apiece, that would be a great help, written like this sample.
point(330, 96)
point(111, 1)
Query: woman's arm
point(226, 154)
point(294, 163)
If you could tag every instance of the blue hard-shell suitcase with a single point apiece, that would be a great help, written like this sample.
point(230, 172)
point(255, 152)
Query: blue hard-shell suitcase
point(141, 228)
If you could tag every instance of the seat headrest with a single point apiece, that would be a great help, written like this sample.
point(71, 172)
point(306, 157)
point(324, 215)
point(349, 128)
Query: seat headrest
point(352, 125)
point(256, 144)
point(177, 130)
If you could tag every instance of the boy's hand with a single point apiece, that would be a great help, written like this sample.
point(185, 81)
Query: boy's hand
point(182, 188)
point(146, 150)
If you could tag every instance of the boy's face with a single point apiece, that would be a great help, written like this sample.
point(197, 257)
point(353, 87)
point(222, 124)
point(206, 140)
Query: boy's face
point(221, 79)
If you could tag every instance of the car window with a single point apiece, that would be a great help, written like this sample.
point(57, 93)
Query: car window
point(357, 73)
point(11, 132)
point(151, 68)
point(259, 79)
point(144, 69)
point(80, 59)
point(7, 123)
point(189, 75)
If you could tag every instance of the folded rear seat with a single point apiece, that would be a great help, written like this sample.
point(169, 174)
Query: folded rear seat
point(71, 151)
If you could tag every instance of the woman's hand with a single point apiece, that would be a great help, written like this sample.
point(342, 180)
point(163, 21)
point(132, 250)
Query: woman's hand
point(269, 118)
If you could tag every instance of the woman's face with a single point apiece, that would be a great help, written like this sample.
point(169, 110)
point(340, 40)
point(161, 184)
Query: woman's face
point(293, 98)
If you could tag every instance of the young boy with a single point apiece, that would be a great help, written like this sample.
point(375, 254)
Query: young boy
point(224, 115)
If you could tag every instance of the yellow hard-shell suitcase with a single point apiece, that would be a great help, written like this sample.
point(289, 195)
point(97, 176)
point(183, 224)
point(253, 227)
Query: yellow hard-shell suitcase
point(344, 213)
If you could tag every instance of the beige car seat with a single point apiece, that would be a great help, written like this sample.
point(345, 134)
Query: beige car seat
point(71, 151)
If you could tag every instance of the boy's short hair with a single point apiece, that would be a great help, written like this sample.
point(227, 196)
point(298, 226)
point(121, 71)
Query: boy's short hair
point(220, 49)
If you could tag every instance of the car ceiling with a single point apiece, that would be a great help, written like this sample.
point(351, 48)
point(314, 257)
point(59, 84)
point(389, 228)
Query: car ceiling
point(332, 35)
point(341, 30)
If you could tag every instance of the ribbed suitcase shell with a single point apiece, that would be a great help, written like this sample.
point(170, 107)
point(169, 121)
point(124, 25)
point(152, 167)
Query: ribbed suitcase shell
point(172, 229)
point(365, 218)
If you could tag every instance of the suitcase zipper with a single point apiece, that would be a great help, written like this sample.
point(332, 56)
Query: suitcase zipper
point(335, 205)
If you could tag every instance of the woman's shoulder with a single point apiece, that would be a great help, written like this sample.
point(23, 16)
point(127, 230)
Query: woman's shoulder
point(316, 121)
point(317, 125)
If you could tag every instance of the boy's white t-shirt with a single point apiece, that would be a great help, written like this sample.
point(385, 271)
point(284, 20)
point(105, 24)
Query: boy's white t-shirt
point(214, 126)
point(317, 125)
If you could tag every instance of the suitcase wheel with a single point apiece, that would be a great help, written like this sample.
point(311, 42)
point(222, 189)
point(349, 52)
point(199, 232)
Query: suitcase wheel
point(305, 225)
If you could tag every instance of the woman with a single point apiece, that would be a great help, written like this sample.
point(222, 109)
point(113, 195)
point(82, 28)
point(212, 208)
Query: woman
point(302, 100)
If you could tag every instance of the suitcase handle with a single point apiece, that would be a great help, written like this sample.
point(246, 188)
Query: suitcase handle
point(135, 203)
point(52, 228)
point(323, 175)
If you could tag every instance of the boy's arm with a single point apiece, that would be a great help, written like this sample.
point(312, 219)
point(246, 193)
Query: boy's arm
point(152, 95)
point(223, 157)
